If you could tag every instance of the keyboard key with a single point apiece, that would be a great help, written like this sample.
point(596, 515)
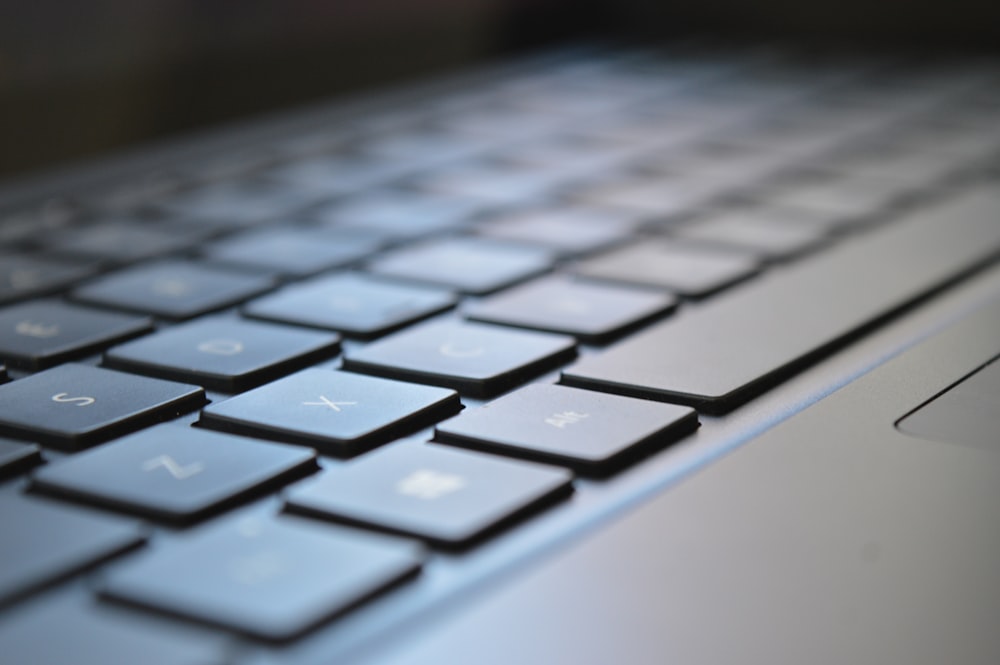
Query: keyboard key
point(493, 183)
point(657, 198)
point(569, 232)
point(849, 199)
point(174, 473)
point(29, 276)
point(767, 239)
point(90, 633)
point(470, 265)
point(41, 334)
point(687, 269)
point(587, 431)
point(336, 174)
point(236, 204)
point(72, 406)
point(591, 312)
point(124, 241)
point(16, 457)
point(290, 252)
point(726, 352)
point(223, 354)
point(269, 578)
point(173, 289)
point(337, 413)
point(353, 304)
point(478, 360)
point(44, 542)
point(447, 496)
point(396, 215)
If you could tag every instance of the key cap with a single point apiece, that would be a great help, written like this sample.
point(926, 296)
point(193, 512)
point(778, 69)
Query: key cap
point(353, 304)
point(124, 241)
point(653, 197)
point(683, 268)
point(173, 289)
point(24, 276)
point(768, 240)
point(424, 147)
point(337, 174)
point(728, 351)
point(447, 496)
point(396, 215)
point(223, 354)
point(478, 360)
point(337, 413)
point(269, 578)
point(91, 633)
point(41, 334)
point(591, 312)
point(73, 406)
point(44, 542)
point(493, 183)
point(587, 431)
point(236, 204)
point(16, 457)
point(568, 231)
point(290, 252)
point(849, 199)
point(174, 473)
point(470, 265)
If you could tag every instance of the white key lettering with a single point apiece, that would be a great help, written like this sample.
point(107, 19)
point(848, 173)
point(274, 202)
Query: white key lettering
point(64, 398)
point(325, 401)
point(428, 484)
point(37, 330)
point(221, 347)
point(173, 468)
point(564, 418)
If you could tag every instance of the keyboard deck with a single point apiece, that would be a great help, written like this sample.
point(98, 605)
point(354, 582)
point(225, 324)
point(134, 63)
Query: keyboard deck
point(266, 401)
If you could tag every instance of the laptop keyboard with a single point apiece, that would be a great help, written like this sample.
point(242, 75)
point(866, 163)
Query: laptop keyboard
point(236, 385)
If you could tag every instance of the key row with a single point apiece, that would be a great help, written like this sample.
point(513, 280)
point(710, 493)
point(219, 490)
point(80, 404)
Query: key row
point(436, 493)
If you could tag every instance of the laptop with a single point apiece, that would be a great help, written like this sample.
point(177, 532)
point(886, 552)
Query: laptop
point(510, 333)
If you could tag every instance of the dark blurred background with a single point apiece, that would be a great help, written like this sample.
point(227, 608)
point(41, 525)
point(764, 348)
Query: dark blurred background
point(81, 78)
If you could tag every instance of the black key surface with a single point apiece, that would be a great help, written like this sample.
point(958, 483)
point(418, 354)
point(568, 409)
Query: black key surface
point(30, 276)
point(335, 412)
point(353, 304)
point(653, 197)
point(726, 352)
point(686, 269)
point(270, 578)
point(90, 633)
point(124, 241)
point(72, 406)
point(41, 334)
point(336, 174)
point(17, 457)
point(44, 542)
point(567, 231)
point(585, 430)
point(442, 494)
point(476, 359)
point(173, 472)
point(224, 354)
point(173, 289)
point(290, 252)
point(589, 311)
point(395, 215)
point(470, 265)
point(492, 182)
point(769, 240)
point(850, 200)
point(236, 204)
